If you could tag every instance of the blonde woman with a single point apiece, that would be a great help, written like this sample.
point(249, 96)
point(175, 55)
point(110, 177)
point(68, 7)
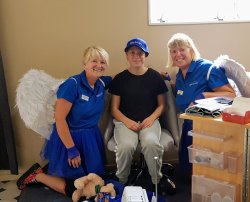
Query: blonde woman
point(196, 78)
point(75, 148)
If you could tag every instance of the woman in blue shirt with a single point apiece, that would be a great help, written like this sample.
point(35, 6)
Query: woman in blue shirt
point(75, 147)
point(197, 78)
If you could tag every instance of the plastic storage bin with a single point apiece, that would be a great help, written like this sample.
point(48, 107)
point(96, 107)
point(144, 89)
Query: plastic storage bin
point(227, 115)
point(211, 136)
point(203, 156)
point(210, 190)
point(234, 160)
point(230, 160)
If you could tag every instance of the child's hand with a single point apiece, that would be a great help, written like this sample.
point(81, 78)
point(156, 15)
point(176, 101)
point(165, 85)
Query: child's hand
point(133, 125)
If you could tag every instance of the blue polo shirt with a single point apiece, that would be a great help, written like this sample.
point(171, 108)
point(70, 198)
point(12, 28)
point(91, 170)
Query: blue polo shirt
point(87, 103)
point(196, 82)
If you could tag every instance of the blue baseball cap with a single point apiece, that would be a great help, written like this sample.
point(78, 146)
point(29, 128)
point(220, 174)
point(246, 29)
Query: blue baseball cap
point(140, 43)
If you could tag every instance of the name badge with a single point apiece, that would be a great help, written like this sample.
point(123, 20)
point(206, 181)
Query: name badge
point(180, 92)
point(85, 97)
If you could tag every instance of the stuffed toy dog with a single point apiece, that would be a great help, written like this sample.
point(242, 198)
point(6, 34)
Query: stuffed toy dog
point(90, 186)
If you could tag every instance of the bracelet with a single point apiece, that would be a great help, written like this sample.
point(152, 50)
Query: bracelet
point(72, 152)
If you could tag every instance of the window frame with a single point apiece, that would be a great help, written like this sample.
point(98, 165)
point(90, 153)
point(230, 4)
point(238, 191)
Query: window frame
point(218, 21)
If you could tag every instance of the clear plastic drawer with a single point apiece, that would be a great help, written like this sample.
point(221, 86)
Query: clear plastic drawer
point(210, 190)
point(200, 155)
point(211, 136)
point(229, 160)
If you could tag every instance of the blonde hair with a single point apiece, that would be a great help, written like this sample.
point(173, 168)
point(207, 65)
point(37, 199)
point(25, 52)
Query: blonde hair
point(95, 52)
point(180, 40)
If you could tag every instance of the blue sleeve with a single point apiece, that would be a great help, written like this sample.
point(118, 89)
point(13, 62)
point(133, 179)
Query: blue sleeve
point(107, 80)
point(68, 90)
point(217, 78)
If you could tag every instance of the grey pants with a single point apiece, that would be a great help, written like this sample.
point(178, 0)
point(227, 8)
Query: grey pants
point(127, 141)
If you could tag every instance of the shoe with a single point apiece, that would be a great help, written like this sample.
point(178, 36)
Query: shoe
point(167, 186)
point(29, 177)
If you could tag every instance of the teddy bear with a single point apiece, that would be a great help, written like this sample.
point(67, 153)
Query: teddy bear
point(90, 185)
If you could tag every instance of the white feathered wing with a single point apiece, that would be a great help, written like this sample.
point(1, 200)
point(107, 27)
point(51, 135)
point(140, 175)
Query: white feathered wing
point(35, 99)
point(236, 72)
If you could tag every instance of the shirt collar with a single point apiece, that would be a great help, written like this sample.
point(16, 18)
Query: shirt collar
point(191, 68)
point(84, 82)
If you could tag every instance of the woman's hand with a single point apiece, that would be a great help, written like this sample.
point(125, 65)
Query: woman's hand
point(74, 158)
point(166, 76)
point(62, 109)
point(75, 162)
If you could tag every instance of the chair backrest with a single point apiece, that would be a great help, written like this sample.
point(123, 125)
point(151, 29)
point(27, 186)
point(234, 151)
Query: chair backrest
point(168, 119)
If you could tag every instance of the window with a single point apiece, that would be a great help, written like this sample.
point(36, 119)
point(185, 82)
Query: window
point(198, 11)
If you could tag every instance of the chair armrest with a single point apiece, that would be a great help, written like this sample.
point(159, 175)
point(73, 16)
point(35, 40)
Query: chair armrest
point(107, 120)
point(109, 130)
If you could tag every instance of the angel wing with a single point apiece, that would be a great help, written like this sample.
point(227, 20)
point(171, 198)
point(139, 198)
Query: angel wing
point(35, 99)
point(236, 72)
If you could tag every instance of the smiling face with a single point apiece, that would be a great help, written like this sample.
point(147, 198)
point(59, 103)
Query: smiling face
point(95, 62)
point(182, 56)
point(181, 51)
point(95, 66)
point(136, 57)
